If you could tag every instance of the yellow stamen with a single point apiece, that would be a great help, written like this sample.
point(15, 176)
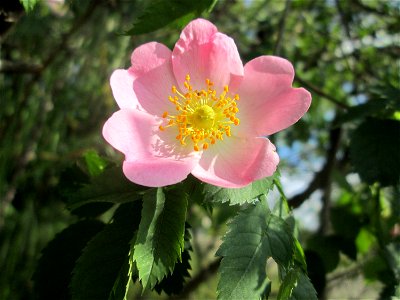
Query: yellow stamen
point(201, 115)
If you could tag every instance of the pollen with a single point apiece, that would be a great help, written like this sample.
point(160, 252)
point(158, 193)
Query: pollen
point(201, 117)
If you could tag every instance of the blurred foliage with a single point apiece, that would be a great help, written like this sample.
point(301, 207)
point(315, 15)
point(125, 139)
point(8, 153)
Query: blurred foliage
point(55, 66)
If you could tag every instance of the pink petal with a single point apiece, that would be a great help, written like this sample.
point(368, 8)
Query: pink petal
point(151, 66)
point(121, 82)
point(149, 160)
point(203, 52)
point(237, 162)
point(268, 102)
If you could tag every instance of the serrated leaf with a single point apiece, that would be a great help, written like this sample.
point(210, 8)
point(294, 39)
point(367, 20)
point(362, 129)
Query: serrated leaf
point(240, 196)
point(160, 239)
point(254, 235)
point(288, 284)
point(53, 273)
point(299, 255)
point(375, 151)
point(303, 289)
point(104, 261)
point(111, 186)
point(160, 13)
point(174, 283)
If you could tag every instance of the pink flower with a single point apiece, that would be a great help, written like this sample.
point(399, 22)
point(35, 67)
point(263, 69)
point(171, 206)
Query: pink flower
point(197, 110)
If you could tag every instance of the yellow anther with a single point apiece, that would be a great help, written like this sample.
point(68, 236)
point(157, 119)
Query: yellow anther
point(202, 116)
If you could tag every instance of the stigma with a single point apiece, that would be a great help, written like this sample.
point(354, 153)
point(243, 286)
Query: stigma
point(203, 117)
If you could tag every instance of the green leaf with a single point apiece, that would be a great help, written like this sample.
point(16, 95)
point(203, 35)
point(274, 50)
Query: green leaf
point(254, 235)
point(160, 13)
point(240, 196)
point(297, 286)
point(160, 239)
point(174, 283)
point(304, 289)
point(288, 284)
point(53, 273)
point(299, 255)
point(375, 152)
point(95, 164)
point(29, 4)
point(378, 107)
point(104, 262)
point(328, 249)
point(73, 179)
point(110, 186)
point(316, 271)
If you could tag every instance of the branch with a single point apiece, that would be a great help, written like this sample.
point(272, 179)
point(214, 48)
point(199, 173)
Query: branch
point(18, 67)
point(203, 275)
point(320, 92)
point(369, 9)
point(321, 178)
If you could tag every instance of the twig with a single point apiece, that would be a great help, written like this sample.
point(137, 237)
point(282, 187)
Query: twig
point(369, 8)
point(203, 275)
point(320, 92)
point(321, 178)
point(18, 67)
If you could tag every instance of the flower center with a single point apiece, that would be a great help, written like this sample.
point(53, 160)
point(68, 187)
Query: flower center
point(201, 115)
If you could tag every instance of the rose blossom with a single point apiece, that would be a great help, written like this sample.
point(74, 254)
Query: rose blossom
point(197, 110)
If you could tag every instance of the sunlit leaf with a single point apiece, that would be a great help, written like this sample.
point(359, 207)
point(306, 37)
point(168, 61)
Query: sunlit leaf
point(243, 195)
point(254, 235)
point(29, 4)
point(160, 239)
point(95, 164)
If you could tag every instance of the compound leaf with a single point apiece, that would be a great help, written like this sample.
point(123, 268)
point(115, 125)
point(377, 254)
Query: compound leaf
point(104, 262)
point(254, 235)
point(53, 274)
point(160, 239)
